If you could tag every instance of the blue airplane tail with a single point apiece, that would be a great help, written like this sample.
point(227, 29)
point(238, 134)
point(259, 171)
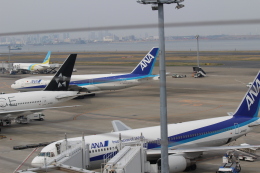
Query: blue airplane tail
point(145, 67)
point(249, 106)
point(47, 58)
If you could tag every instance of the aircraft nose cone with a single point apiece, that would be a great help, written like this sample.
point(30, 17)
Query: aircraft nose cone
point(37, 162)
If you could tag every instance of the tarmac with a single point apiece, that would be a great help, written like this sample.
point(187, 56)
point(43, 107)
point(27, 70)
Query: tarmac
point(187, 99)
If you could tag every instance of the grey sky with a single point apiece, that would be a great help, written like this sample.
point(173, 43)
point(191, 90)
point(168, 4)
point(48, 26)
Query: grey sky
point(25, 15)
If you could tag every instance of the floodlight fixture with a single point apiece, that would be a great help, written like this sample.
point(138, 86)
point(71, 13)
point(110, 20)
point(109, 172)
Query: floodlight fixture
point(156, 2)
point(154, 6)
point(179, 6)
point(159, 1)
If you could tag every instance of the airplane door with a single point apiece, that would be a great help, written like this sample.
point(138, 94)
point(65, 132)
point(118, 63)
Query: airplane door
point(90, 81)
point(236, 126)
point(44, 101)
point(2, 104)
point(22, 84)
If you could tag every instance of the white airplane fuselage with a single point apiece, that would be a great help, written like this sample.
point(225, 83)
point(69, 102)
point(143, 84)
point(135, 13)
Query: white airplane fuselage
point(200, 133)
point(32, 100)
point(30, 66)
point(95, 82)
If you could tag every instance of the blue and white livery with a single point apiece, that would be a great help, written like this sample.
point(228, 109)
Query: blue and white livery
point(98, 82)
point(186, 141)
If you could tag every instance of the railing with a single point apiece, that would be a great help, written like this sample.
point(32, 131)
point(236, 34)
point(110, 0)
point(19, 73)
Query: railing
point(67, 153)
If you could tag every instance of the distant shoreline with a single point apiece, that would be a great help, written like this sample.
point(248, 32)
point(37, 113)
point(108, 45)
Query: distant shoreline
point(131, 58)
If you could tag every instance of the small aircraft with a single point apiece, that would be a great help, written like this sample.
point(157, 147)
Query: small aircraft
point(142, 73)
point(29, 67)
point(55, 92)
point(186, 141)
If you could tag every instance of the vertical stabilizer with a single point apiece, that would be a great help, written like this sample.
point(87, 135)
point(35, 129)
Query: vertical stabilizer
point(61, 80)
point(47, 58)
point(249, 106)
point(146, 65)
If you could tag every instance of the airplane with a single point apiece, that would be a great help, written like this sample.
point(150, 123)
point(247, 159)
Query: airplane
point(33, 67)
point(14, 104)
point(142, 73)
point(186, 141)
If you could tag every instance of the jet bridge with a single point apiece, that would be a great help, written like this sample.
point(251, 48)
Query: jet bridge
point(72, 156)
point(131, 158)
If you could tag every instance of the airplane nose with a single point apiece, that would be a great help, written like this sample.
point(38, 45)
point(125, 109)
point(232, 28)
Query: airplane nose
point(14, 86)
point(37, 162)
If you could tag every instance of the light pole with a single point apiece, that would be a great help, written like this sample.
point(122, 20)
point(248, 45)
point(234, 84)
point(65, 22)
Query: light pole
point(198, 61)
point(158, 5)
point(9, 66)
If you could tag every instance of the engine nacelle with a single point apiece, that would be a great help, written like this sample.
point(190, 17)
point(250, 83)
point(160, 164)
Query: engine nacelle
point(177, 163)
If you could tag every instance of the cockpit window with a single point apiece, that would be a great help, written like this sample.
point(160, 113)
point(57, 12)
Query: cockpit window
point(46, 154)
point(41, 154)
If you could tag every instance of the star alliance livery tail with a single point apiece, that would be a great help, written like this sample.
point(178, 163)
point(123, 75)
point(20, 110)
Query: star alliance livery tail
point(61, 80)
point(145, 67)
point(249, 106)
point(47, 58)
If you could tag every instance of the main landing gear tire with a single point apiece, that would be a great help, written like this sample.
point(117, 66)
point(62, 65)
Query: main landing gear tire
point(191, 168)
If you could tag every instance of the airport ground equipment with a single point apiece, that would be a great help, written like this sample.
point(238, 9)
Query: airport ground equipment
point(178, 75)
point(26, 119)
point(230, 163)
point(198, 72)
point(247, 154)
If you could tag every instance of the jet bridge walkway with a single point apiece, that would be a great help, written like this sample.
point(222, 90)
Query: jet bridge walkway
point(75, 158)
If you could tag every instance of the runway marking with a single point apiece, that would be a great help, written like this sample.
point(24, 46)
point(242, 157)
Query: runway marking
point(4, 85)
point(191, 103)
point(25, 160)
point(201, 111)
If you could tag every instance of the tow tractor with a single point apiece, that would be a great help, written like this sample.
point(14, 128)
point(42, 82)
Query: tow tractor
point(26, 119)
point(231, 164)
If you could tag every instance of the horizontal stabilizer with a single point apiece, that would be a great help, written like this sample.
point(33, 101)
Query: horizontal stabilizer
point(119, 126)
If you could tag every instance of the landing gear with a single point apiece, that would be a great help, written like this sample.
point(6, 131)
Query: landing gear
point(191, 168)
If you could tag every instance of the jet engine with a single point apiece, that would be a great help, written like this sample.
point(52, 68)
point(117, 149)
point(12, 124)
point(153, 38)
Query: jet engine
point(178, 163)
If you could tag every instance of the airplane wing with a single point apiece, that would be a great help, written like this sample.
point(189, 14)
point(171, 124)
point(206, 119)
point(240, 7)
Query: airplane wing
point(44, 65)
point(154, 153)
point(119, 126)
point(62, 96)
point(24, 111)
point(201, 149)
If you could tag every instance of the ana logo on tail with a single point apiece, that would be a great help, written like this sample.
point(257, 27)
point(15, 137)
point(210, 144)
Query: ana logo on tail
point(254, 91)
point(147, 59)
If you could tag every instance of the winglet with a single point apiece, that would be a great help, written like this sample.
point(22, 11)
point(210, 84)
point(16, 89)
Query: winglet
point(47, 58)
point(146, 65)
point(61, 80)
point(119, 126)
point(249, 106)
